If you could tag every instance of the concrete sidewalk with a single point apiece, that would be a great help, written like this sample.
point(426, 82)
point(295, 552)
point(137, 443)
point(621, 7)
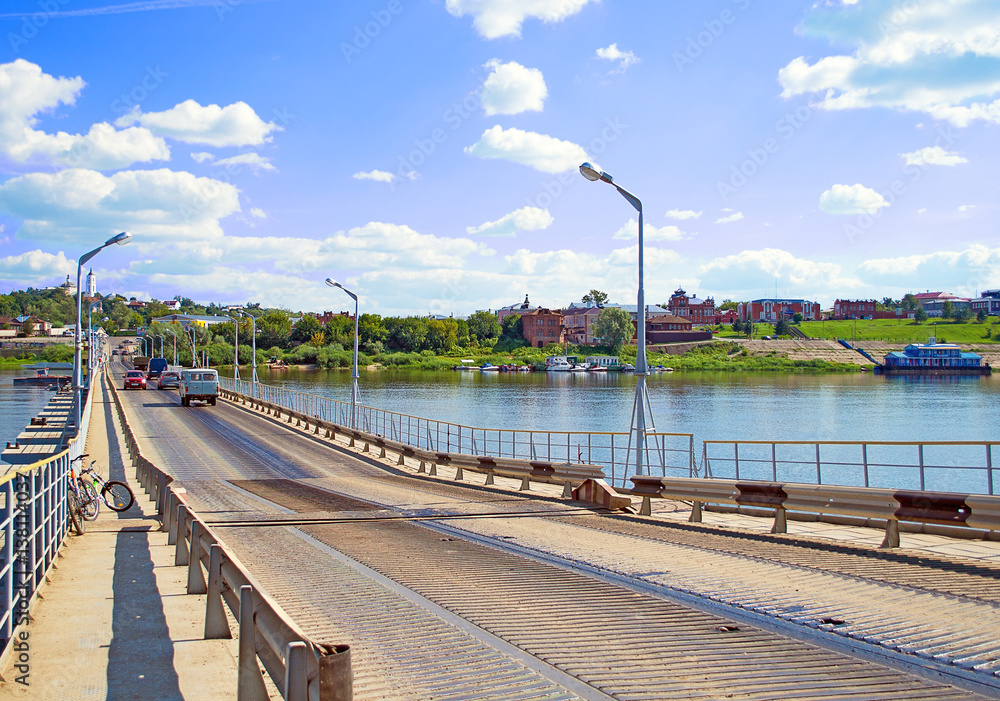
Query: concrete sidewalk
point(114, 620)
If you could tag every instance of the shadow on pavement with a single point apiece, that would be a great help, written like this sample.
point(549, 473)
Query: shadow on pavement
point(141, 656)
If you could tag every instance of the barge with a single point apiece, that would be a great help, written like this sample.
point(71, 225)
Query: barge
point(933, 358)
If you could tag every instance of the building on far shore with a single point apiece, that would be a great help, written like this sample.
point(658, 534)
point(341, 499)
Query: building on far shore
point(933, 302)
point(543, 326)
point(699, 311)
point(988, 301)
point(860, 309)
point(773, 309)
point(522, 309)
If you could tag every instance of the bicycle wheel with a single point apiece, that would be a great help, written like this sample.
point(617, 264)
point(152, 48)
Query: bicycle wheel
point(75, 515)
point(90, 504)
point(117, 496)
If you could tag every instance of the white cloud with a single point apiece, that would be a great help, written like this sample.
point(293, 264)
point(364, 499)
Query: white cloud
point(233, 125)
point(936, 56)
point(682, 214)
point(524, 219)
point(498, 18)
point(624, 58)
point(511, 88)
point(541, 152)
point(962, 272)
point(921, 210)
point(752, 272)
point(84, 205)
point(933, 156)
point(258, 213)
point(380, 176)
point(630, 230)
point(851, 199)
point(25, 92)
point(36, 265)
point(966, 207)
point(735, 216)
point(233, 164)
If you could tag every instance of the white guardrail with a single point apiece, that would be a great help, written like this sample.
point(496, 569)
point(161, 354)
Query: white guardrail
point(668, 454)
point(34, 523)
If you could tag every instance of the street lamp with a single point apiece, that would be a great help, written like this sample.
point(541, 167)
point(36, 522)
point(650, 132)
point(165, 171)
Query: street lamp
point(90, 338)
point(194, 350)
point(236, 348)
point(642, 412)
point(253, 323)
point(174, 334)
point(121, 239)
point(355, 398)
point(159, 336)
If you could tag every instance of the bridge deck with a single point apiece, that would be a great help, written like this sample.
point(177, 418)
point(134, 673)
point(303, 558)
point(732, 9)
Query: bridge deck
point(452, 590)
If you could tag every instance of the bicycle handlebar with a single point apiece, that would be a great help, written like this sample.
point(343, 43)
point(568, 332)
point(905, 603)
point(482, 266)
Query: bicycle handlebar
point(80, 457)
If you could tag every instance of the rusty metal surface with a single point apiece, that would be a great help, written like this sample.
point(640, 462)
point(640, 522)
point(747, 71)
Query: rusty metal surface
point(621, 642)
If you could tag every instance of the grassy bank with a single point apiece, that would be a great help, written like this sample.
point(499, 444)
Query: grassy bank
point(905, 331)
point(55, 353)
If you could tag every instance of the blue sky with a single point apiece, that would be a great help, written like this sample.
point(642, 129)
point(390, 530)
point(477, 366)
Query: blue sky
point(425, 152)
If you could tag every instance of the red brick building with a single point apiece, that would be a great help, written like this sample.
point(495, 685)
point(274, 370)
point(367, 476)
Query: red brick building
point(325, 317)
point(543, 326)
point(771, 310)
point(699, 311)
point(668, 328)
point(854, 309)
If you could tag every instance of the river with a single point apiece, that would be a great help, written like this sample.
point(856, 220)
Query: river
point(18, 404)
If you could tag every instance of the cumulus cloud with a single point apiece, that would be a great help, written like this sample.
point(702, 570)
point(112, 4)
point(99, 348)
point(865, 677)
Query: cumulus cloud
point(258, 213)
point(735, 216)
point(84, 205)
point(749, 272)
point(524, 219)
point(26, 91)
point(380, 176)
point(851, 199)
point(624, 58)
point(499, 18)
point(233, 125)
point(933, 156)
point(32, 266)
point(511, 88)
point(936, 56)
point(961, 272)
point(630, 230)
point(541, 152)
point(966, 208)
point(682, 214)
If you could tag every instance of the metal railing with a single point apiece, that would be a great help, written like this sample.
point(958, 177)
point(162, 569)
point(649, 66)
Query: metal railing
point(34, 524)
point(301, 669)
point(949, 466)
point(668, 454)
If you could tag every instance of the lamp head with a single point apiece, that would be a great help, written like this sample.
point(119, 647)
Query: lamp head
point(592, 172)
point(121, 239)
point(331, 283)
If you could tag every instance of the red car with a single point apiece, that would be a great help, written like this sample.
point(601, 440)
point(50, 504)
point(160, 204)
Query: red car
point(135, 379)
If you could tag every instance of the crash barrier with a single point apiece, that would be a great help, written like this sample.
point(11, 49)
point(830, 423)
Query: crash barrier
point(966, 466)
point(569, 475)
point(667, 454)
point(300, 668)
point(889, 505)
point(34, 521)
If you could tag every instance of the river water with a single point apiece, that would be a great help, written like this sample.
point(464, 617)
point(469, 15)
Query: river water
point(18, 404)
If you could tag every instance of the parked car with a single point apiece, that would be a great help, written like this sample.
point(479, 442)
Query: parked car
point(135, 379)
point(168, 380)
point(199, 384)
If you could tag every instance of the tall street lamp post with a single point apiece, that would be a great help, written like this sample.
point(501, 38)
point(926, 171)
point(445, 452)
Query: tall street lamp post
point(253, 333)
point(90, 339)
point(642, 413)
point(121, 239)
point(172, 333)
point(160, 336)
point(236, 348)
point(355, 398)
point(194, 350)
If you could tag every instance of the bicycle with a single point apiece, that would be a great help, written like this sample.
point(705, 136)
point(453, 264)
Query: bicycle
point(74, 502)
point(94, 488)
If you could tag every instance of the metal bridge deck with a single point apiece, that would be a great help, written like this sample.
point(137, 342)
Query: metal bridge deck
point(450, 591)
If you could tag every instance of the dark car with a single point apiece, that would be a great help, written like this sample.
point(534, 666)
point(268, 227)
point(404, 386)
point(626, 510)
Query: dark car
point(168, 380)
point(135, 379)
point(157, 366)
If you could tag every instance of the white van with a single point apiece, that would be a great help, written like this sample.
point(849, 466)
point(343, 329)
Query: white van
point(199, 384)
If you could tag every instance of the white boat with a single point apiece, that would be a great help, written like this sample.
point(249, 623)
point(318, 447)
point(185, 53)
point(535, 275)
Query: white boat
point(597, 368)
point(489, 367)
point(559, 366)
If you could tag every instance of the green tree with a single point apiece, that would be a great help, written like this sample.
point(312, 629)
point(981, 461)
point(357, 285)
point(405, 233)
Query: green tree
point(797, 317)
point(28, 327)
point(614, 327)
point(728, 304)
point(306, 327)
point(371, 331)
point(909, 302)
point(961, 315)
point(156, 310)
point(513, 328)
point(484, 328)
point(275, 329)
point(781, 328)
point(340, 329)
point(981, 316)
point(406, 334)
point(920, 315)
point(947, 309)
point(596, 297)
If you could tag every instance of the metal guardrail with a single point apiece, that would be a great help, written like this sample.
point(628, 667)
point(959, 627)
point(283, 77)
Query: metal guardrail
point(34, 523)
point(301, 669)
point(955, 466)
point(669, 454)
